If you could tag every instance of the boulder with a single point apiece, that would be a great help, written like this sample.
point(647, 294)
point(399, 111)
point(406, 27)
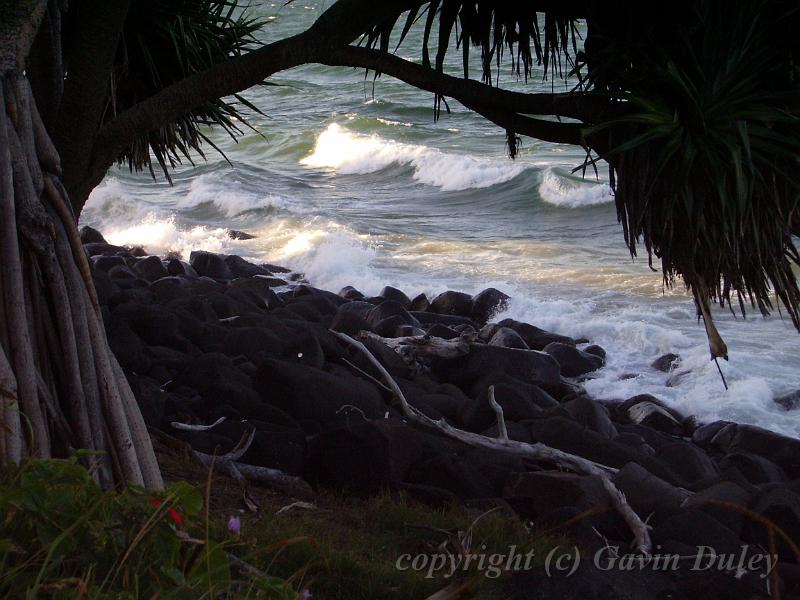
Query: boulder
point(106, 263)
point(573, 362)
point(649, 411)
point(442, 331)
point(218, 381)
point(387, 309)
point(253, 342)
point(90, 235)
point(419, 303)
point(596, 350)
point(235, 234)
point(647, 493)
point(179, 267)
point(666, 362)
point(392, 293)
point(240, 267)
point(508, 338)
point(725, 501)
point(694, 528)
point(591, 414)
point(452, 303)
point(529, 366)
point(477, 414)
point(789, 400)
point(315, 395)
point(783, 451)
point(536, 338)
point(102, 248)
point(756, 469)
point(211, 265)
point(349, 322)
point(128, 348)
point(454, 474)
point(429, 318)
point(781, 506)
point(150, 268)
point(350, 293)
point(366, 456)
point(153, 323)
point(486, 304)
point(688, 462)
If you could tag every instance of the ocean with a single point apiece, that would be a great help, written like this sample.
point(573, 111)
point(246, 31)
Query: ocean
point(351, 181)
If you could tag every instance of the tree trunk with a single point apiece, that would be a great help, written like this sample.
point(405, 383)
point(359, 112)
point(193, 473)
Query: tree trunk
point(61, 388)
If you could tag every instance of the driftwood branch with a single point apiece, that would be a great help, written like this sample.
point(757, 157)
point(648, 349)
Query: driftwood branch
point(188, 427)
point(273, 478)
point(501, 418)
point(537, 451)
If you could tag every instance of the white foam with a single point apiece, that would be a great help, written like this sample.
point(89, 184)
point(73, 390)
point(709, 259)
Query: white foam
point(350, 153)
point(159, 235)
point(567, 193)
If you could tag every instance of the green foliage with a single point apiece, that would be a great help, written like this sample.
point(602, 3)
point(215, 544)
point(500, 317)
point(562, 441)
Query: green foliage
point(705, 162)
point(61, 536)
point(165, 41)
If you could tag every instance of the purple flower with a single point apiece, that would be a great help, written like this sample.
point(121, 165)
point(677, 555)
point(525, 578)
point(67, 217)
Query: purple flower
point(234, 525)
point(305, 594)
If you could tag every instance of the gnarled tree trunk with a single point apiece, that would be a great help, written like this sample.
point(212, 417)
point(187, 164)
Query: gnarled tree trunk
point(60, 386)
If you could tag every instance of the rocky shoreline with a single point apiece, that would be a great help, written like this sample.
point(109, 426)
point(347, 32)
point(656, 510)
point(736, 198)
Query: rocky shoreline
point(218, 336)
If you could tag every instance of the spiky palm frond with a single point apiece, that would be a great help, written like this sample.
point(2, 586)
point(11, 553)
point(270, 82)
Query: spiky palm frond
point(163, 42)
point(705, 166)
point(549, 39)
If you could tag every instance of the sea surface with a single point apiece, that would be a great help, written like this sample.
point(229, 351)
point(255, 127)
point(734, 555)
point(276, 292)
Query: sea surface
point(352, 181)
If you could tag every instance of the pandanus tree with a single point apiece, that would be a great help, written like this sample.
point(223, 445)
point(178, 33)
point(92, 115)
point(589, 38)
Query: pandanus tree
point(693, 106)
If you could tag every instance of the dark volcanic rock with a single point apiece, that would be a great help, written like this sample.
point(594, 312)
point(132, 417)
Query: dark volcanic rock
point(312, 394)
point(756, 469)
point(392, 293)
point(592, 414)
point(781, 450)
point(90, 235)
point(452, 303)
point(666, 363)
point(102, 248)
point(689, 462)
point(508, 338)
point(648, 411)
point(350, 293)
point(150, 268)
point(218, 381)
point(253, 342)
point(366, 456)
point(573, 362)
point(106, 263)
point(390, 308)
point(235, 234)
point(420, 303)
point(647, 493)
point(486, 304)
point(240, 267)
point(477, 414)
point(789, 401)
point(529, 366)
point(179, 267)
point(210, 265)
point(536, 338)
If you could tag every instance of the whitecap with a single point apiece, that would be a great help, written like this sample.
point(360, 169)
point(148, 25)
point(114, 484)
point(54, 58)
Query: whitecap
point(568, 193)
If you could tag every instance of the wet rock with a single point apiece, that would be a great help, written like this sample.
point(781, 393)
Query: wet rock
point(508, 338)
point(647, 493)
point(240, 267)
point(573, 362)
point(528, 366)
point(689, 462)
point(477, 414)
point(591, 414)
point(150, 268)
point(789, 401)
point(781, 450)
point(180, 267)
point(666, 362)
point(429, 318)
point(90, 235)
point(350, 293)
point(235, 234)
point(391, 308)
point(442, 331)
point(210, 265)
point(122, 272)
point(486, 304)
point(420, 303)
point(648, 411)
point(349, 322)
point(452, 303)
point(392, 293)
point(106, 263)
point(536, 338)
point(596, 350)
point(102, 248)
point(756, 469)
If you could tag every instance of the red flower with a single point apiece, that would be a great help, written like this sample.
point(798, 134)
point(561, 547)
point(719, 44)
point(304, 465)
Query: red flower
point(173, 514)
